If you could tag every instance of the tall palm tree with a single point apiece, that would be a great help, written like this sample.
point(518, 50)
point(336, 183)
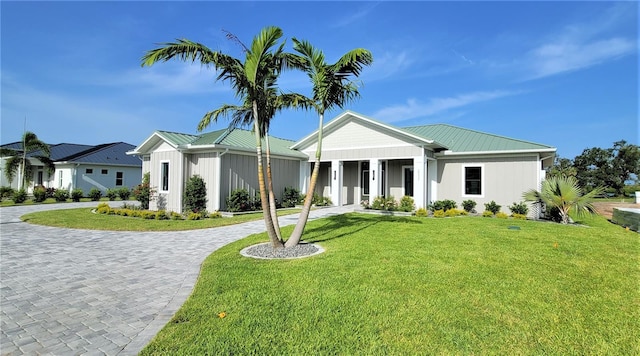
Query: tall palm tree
point(332, 87)
point(249, 78)
point(17, 159)
point(564, 193)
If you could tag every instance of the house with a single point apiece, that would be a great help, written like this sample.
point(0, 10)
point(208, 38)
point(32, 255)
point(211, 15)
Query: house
point(362, 158)
point(102, 166)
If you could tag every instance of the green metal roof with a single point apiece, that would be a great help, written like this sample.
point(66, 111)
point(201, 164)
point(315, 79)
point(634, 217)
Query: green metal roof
point(458, 139)
point(175, 138)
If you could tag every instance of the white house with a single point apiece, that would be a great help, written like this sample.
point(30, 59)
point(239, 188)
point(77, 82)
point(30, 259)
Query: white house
point(361, 158)
point(102, 166)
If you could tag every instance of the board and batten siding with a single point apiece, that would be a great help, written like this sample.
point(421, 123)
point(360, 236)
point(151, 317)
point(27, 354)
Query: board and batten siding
point(204, 165)
point(395, 185)
point(350, 183)
point(241, 172)
point(504, 179)
point(171, 200)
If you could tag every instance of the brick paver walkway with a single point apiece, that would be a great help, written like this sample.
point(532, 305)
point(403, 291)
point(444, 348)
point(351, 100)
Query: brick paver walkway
point(66, 291)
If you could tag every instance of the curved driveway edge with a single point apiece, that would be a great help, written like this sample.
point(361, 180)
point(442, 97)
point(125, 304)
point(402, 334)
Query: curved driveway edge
point(69, 291)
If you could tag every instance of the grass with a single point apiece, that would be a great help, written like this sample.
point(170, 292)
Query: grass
point(10, 202)
point(83, 218)
point(467, 285)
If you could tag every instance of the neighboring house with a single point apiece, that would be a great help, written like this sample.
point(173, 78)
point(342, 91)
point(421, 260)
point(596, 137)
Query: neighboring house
point(103, 166)
point(361, 158)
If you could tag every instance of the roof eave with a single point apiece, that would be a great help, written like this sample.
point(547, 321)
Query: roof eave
point(451, 153)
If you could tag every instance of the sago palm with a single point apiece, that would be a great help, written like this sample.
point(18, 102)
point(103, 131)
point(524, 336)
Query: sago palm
point(19, 160)
point(332, 87)
point(249, 79)
point(565, 194)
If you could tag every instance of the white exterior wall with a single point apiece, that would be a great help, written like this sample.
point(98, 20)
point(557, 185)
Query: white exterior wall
point(170, 200)
point(86, 181)
point(504, 179)
point(207, 167)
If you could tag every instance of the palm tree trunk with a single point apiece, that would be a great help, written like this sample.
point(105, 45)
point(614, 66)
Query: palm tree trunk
point(272, 197)
point(263, 191)
point(24, 160)
point(306, 208)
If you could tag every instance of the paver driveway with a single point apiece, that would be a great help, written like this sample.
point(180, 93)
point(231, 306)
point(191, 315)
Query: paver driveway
point(67, 291)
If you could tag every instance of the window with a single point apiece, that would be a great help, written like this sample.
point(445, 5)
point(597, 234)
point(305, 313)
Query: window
point(119, 178)
point(105, 171)
point(364, 182)
point(88, 171)
point(164, 176)
point(473, 180)
point(407, 174)
point(40, 177)
point(60, 179)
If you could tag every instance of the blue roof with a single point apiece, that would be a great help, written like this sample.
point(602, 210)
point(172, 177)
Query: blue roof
point(107, 154)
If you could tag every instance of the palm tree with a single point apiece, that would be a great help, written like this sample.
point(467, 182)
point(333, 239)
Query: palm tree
point(564, 193)
point(250, 79)
point(17, 159)
point(332, 87)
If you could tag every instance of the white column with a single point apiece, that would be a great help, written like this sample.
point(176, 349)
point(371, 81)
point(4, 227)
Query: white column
point(217, 167)
point(374, 179)
point(336, 182)
point(305, 176)
point(432, 180)
point(419, 181)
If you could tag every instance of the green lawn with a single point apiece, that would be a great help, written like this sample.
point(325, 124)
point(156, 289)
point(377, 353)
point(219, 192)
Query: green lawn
point(83, 218)
point(406, 285)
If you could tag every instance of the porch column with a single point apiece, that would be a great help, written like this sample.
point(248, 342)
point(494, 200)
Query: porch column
point(432, 180)
point(374, 179)
point(419, 181)
point(336, 182)
point(305, 176)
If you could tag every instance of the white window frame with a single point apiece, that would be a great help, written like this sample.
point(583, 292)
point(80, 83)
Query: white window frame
point(464, 180)
point(404, 188)
point(161, 176)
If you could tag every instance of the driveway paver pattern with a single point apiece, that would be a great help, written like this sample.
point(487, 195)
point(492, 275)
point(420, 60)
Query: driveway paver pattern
point(70, 291)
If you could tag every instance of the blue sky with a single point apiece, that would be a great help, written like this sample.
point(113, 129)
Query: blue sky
point(563, 74)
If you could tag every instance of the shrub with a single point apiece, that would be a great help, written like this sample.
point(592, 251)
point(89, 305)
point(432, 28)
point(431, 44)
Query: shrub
point(76, 195)
point(103, 208)
point(161, 215)
point(39, 194)
point(422, 212)
point(320, 200)
point(145, 214)
point(61, 195)
point(215, 215)
point(469, 205)
point(443, 205)
point(492, 207)
point(176, 216)
point(19, 196)
point(112, 194)
point(519, 208)
point(95, 194)
point(487, 214)
point(194, 216)
point(51, 192)
point(501, 215)
point(143, 191)
point(519, 216)
point(5, 192)
point(124, 193)
point(291, 197)
point(406, 204)
point(453, 212)
point(382, 203)
point(195, 195)
point(438, 213)
point(365, 204)
point(239, 201)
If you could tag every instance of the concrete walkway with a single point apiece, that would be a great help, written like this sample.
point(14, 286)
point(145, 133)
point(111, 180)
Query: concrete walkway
point(71, 292)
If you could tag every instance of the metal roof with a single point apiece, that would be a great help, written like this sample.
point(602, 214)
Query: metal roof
point(176, 138)
point(458, 139)
point(107, 153)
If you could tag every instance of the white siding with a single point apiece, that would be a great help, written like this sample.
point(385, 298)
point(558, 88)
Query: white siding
point(171, 200)
point(204, 165)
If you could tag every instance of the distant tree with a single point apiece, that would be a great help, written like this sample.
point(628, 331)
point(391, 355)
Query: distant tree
point(562, 167)
point(19, 159)
point(608, 168)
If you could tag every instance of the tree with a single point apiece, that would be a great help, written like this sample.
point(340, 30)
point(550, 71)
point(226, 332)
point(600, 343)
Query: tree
point(19, 159)
point(565, 194)
point(251, 79)
point(332, 86)
point(609, 168)
point(562, 167)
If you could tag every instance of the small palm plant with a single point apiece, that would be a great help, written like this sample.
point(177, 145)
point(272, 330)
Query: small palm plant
point(565, 194)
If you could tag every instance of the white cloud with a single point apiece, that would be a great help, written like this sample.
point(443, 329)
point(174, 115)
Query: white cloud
point(413, 108)
point(357, 16)
point(387, 65)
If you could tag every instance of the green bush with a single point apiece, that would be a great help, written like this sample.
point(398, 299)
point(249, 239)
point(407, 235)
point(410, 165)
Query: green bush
point(76, 195)
point(194, 216)
point(95, 194)
point(124, 193)
point(454, 212)
point(501, 215)
point(5, 192)
point(112, 194)
point(195, 195)
point(161, 215)
point(469, 205)
point(39, 194)
point(492, 207)
point(291, 197)
point(176, 216)
point(519, 217)
point(239, 201)
point(61, 195)
point(51, 192)
point(103, 208)
point(487, 214)
point(382, 203)
point(443, 205)
point(19, 196)
point(438, 214)
point(422, 212)
point(519, 208)
point(143, 191)
point(406, 204)
point(215, 215)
